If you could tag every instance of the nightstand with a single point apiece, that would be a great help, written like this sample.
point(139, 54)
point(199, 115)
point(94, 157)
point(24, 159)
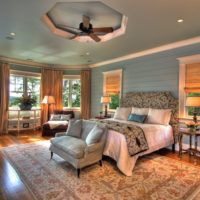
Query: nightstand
point(102, 117)
point(191, 151)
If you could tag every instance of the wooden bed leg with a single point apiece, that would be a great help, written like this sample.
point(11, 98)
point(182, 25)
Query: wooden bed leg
point(173, 148)
point(100, 163)
point(78, 172)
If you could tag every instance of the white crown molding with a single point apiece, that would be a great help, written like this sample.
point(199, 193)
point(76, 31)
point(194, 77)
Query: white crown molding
point(150, 51)
point(42, 65)
point(189, 59)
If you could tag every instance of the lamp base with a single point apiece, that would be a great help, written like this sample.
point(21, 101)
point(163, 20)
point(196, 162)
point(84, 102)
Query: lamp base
point(106, 112)
point(195, 115)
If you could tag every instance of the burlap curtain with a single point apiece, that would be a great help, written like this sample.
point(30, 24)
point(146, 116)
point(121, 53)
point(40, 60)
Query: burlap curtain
point(4, 97)
point(85, 94)
point(51, 85)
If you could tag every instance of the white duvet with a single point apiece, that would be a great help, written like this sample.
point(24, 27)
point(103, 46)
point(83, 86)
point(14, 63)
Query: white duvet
point(157, 136)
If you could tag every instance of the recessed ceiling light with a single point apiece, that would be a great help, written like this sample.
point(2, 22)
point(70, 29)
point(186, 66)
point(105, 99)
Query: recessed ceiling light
point(87, 53)
point(12, 34)
point(179, 20)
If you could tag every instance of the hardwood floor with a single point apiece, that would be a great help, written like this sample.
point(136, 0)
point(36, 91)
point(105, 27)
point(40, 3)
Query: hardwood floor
point(11, 185)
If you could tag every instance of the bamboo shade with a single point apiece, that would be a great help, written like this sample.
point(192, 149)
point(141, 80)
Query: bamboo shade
point(112, 85)
point(192, 78)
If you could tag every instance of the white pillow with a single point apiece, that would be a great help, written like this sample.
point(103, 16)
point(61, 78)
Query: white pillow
point(122, 113)
point(94, 135)
point(140, 111)
point(159, 116)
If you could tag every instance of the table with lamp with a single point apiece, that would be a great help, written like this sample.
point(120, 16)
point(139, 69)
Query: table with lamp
point(195, 103)
point(105, 100)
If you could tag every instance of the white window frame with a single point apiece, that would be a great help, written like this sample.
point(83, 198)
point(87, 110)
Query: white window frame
point(109, 73)
point(183, 61)
point(71, 78)
point(25, 75)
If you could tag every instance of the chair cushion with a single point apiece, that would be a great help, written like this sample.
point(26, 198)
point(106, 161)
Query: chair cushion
point(74, 128)
point(70, 145)
point(94, 135)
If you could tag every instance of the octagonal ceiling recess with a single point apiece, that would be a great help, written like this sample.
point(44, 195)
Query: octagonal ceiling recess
point(64, 19)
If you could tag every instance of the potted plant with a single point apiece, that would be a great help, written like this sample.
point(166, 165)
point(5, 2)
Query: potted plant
point(100, 113)
point(192, 125)
point(25, 102)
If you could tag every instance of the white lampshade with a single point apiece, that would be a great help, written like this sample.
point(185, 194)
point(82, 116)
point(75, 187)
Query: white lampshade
point(193, 101)
point(105, 99)
point(48, 100)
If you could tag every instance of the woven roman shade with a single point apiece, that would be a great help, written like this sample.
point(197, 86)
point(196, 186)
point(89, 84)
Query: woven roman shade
point(192, 78)
point(112, 85)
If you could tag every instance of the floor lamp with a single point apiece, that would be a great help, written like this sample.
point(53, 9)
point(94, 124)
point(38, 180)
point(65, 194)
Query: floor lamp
point(48, 100)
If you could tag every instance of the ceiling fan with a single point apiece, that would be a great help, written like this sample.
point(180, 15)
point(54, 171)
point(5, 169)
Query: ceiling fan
point(86, 27)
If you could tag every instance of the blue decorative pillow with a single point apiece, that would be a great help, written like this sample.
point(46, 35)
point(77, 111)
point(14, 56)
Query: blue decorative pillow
point(137, 118)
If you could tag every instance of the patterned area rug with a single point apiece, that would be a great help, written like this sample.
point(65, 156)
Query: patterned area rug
point(155, 177)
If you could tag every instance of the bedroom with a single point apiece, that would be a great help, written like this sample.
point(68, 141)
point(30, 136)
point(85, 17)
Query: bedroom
point(149, 54)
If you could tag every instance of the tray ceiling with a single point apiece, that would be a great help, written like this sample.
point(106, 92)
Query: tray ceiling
point(150, 24)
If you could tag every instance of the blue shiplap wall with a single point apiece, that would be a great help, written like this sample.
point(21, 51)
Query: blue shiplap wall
point(156, 72)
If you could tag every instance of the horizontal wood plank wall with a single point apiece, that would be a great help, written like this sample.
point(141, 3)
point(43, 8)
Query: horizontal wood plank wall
point(156, 72)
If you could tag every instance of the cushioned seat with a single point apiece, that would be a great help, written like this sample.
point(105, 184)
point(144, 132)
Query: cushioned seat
point(81, 145)
point(71, 145)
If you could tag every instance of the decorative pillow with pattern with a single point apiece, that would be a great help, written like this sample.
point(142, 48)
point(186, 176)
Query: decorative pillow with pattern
point(65, 117)
point(55, 117)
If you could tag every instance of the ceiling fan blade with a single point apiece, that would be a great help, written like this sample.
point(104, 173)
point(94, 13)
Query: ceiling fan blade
point(103, 30)
point(63, 26)
point(75, 36)
point(94, 37)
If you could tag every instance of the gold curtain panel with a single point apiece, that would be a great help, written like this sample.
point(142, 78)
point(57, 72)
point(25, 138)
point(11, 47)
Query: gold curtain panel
point(85, 94)
point(112, 85)
point(51, 85)
point(4, 96)
point(192, 78)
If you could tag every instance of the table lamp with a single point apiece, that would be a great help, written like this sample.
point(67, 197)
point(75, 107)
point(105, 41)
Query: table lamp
point(105, 100)
point(48, 100)
point(193, 102)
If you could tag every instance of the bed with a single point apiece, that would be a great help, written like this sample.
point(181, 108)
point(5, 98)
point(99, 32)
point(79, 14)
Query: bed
point(157, 136)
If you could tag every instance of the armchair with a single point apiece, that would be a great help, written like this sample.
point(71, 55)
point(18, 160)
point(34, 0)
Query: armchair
point(76, 150)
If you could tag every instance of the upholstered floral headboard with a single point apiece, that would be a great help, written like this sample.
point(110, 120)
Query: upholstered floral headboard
point(159, 100)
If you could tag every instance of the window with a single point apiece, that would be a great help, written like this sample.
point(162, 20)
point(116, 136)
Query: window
point(20, 85)
point(189, 83)
point(112, 87)
point(71, 93)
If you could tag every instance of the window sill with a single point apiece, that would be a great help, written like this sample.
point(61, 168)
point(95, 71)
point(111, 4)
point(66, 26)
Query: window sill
point(73, 109)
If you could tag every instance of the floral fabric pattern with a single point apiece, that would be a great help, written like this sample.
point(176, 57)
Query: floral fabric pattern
point(157, 100)
point(155, 177)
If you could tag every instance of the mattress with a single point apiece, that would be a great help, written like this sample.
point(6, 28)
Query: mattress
point(157, 136)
